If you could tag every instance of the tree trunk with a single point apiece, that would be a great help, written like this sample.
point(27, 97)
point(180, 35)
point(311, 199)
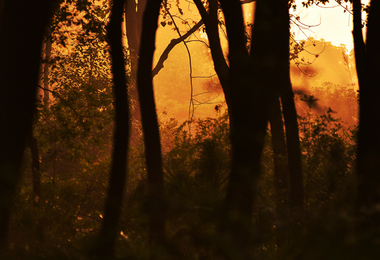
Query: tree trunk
point(291, 221)
point(36, 174)
point(22, 27)
point(108, 234)
point(156, 212)
point(210, 20)
point(46, 66)
point(293, 147)
point(367, 56)
point(281, 180)
point(252, 91)
point(36, 182)
point(296, 188)
point(249, 86)
point(134, 13)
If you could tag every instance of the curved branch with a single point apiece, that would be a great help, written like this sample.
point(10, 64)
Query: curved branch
point(211, 21)
point(171, 45)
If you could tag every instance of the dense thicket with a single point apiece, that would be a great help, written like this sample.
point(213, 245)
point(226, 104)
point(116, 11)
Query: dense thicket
point(196, 174)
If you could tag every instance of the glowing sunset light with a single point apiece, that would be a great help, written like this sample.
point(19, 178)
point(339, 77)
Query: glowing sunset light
point(186, 129)
point(331, 22)
point(329, 26)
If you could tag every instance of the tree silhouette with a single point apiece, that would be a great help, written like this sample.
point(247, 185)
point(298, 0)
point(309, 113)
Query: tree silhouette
point(367, 56)
point(156, 210)
point(22, 27)
point(250, 89)
point(211, 206)
point(106, 244)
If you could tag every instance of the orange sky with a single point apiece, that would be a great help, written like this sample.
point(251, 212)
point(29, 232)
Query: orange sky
point(173, 85)
point(334, 22)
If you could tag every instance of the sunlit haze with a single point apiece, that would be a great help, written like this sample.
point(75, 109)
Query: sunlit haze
point(321, 27)
point(331, 22)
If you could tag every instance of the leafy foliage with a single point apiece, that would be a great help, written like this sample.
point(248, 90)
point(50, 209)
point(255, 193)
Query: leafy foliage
point(329, 159)
point(74, 132)
point(82, 21)
point(196, 169)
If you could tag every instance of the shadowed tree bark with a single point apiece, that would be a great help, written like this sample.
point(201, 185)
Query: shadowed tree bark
point(210, 20)
point(133, 25)
point(156, 212)
point(36, 174)
point(22, 27)
point(249, 99)
point(134, 14)
point(294, 214)
point(249, 85)
point(293, 145)
point(281, 173)
point(105, 246)
point(46, 65)
point(367, 56)
point(36, 182)
point(249, 114)
point(33, 143)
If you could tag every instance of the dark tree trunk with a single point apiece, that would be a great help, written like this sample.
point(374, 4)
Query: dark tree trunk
point(249, 85)
point(108, 234)
point(252, 91)
point(247, 128)
point(359, 45)
point(293, 147)
point(150, 125)
point(210, 20)
point(36, 174)
point(281, 179)
point(293, 215)
point(36, 182)
point(367, 57)
point(46, 66)
point(280, 49)
point(236, 81)
point(22, 27)
point(281, 172)
point(134, 13)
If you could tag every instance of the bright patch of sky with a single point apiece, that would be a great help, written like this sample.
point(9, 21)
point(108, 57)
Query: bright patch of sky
point(331, 22)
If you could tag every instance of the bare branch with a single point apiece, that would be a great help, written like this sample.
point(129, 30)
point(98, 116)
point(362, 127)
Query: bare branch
point(171, 45)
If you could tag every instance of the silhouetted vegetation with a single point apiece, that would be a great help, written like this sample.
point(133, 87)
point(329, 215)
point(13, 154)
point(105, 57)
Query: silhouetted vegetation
point(230, 186)
point(196, 172)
